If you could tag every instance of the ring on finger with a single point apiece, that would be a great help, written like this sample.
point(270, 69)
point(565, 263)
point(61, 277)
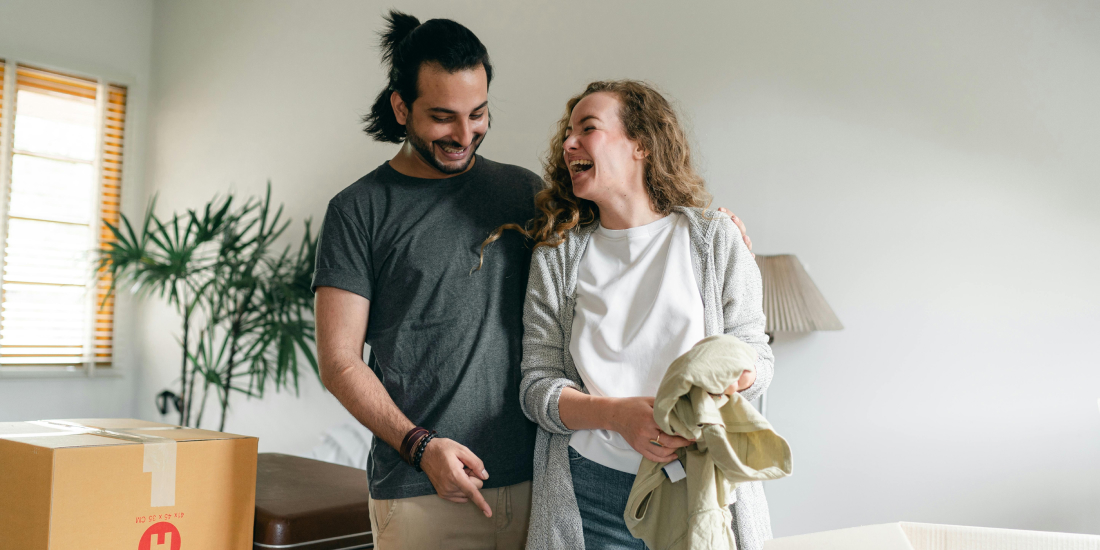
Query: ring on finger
point(657, 441)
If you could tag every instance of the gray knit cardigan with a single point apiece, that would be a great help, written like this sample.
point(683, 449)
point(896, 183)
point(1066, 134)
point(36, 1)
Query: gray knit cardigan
point(729, 283)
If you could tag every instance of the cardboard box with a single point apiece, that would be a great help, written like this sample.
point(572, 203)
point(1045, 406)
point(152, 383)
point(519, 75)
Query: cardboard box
point(125, 484)
point(927, 536)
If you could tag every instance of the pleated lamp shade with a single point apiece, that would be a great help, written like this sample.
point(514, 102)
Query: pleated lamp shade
point(792, 302)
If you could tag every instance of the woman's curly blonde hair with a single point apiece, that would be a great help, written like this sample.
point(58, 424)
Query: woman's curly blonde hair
point(670, 176)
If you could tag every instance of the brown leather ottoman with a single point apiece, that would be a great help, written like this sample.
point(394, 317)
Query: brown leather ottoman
point(307, 504)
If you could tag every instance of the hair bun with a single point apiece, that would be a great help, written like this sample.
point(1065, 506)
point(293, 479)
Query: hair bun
point(398, 26)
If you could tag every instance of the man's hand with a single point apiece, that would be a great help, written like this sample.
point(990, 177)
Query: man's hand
point(455, 472)
point(633, 419)
point(740, 225)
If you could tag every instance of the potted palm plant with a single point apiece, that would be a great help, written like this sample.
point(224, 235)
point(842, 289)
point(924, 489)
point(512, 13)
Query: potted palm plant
point(245, 305)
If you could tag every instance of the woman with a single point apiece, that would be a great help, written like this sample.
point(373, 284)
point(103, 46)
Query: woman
point(628, 273)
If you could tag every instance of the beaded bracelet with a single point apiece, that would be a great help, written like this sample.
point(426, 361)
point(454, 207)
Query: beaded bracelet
point(420, 450)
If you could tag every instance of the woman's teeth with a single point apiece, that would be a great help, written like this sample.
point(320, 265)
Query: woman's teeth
point(580, 165)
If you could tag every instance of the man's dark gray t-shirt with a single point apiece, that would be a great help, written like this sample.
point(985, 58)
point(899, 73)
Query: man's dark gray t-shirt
point(446, 342)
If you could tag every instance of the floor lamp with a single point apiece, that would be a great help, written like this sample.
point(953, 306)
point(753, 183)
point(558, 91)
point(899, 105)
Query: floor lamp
point(792, 302)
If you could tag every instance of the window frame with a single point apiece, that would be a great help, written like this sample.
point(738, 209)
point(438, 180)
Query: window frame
point(104, 78)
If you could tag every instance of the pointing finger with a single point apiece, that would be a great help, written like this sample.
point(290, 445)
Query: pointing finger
point(467, 485)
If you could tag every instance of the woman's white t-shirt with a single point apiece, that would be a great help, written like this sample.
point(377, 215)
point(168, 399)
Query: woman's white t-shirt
point(637, 309)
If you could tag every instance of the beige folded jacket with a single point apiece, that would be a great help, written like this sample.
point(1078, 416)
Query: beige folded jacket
point(734, 444)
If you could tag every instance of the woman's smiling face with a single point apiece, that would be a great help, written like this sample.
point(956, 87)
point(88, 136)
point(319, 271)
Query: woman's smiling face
point(603, 162)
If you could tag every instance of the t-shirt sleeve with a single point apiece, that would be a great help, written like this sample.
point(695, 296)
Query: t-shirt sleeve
point(344, 255)
point(536, 183)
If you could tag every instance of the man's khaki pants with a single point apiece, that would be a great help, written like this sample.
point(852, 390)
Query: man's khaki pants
point(429, 522)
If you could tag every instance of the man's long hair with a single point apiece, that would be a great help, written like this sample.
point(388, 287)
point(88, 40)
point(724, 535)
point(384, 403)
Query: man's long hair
point(406, 45)
point(670, 176)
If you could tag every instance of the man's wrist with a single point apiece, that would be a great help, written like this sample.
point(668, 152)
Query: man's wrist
point(411, 442)
point(420, 448)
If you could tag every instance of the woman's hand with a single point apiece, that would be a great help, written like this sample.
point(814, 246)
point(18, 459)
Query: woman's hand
point(632, 417)
point(747, 379)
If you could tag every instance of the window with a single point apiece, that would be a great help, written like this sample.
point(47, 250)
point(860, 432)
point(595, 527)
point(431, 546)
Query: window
point(61, 176)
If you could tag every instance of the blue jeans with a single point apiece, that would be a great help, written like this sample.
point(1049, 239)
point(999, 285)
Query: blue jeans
point(601, 496)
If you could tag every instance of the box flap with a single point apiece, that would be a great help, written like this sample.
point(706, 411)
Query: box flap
point(888, 536)
point(158, 429)
point(80, 432)
point(115, 423)
point(26, 478)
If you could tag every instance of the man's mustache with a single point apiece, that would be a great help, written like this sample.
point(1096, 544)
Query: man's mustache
point(457, 145)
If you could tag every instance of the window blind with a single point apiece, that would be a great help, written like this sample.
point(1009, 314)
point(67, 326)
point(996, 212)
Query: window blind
point(64, 183)
point(110, 207)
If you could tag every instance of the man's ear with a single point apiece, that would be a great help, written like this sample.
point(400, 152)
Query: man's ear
point(400, 109)
point(640, 152)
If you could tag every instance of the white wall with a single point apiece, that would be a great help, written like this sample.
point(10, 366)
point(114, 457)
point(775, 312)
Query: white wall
point(242, 95)
point(111, 39)
point(932, 163)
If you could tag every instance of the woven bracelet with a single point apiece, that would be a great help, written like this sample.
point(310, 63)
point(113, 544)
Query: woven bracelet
point(420, 450)
point(410, 442)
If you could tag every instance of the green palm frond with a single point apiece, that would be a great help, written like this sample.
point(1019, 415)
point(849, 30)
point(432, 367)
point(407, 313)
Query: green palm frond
point(218, 266)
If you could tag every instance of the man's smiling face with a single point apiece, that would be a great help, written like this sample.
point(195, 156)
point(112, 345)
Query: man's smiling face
point(449, 117)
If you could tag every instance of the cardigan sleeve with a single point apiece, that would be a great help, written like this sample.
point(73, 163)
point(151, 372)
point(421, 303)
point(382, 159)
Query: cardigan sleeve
point(543, 365)
point(743, 301)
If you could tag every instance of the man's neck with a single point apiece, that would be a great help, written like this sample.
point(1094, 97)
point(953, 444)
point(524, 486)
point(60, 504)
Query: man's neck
point(408, 162)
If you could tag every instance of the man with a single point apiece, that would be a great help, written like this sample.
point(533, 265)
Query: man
point(398, 248)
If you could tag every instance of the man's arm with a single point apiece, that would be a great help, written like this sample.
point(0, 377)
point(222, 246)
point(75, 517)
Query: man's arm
point(341, 330)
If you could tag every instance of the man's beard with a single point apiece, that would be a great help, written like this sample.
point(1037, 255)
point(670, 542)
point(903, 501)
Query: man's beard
point(424, 149)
